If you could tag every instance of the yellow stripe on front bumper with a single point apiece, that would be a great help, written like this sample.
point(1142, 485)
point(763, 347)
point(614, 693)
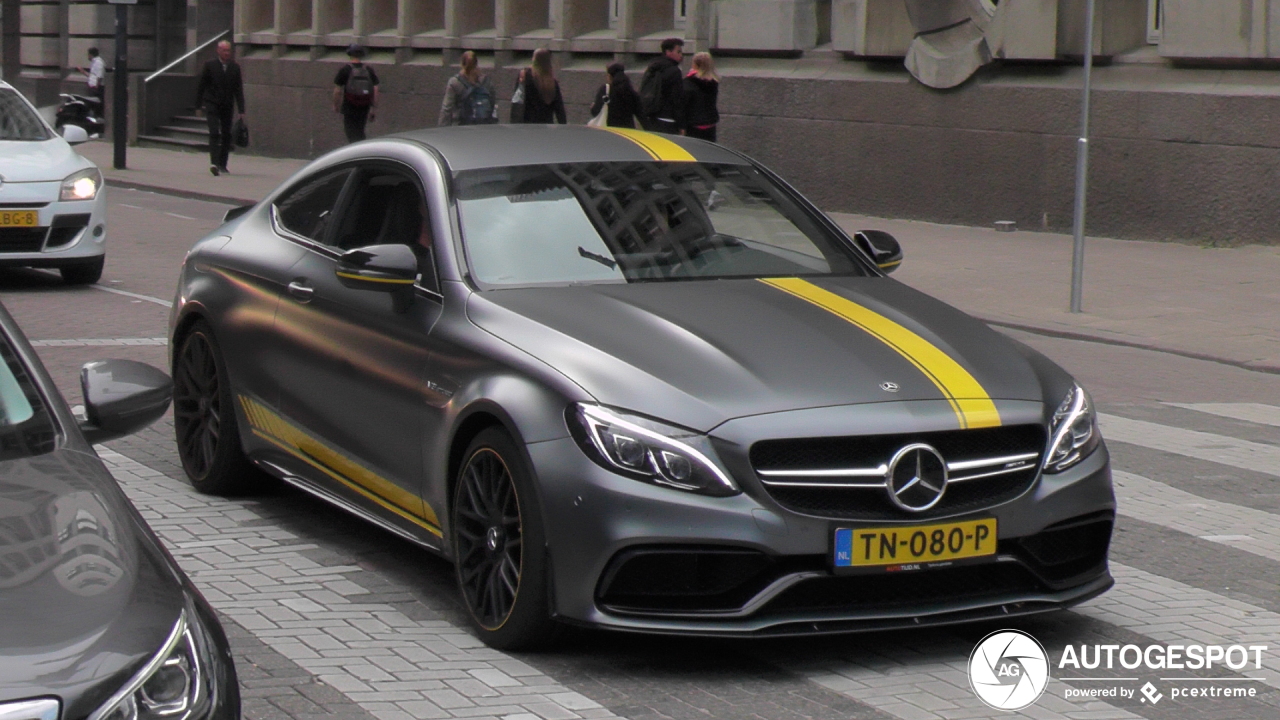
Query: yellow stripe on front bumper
point(970, 401)
point(658, 147)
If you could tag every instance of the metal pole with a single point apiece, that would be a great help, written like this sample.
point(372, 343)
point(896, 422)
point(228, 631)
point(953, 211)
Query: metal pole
point(1082, 169)
point(120, 97)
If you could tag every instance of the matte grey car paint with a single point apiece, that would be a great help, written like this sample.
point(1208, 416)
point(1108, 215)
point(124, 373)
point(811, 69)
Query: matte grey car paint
point(397, 393)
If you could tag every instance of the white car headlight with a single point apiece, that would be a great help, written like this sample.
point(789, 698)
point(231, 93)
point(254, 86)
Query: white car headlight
point(82, 185)
point(1073, 431)
point(649, 450)
point(169, 687)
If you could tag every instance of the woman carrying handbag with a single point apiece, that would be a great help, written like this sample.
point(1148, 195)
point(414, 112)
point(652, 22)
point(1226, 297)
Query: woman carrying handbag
point(616, 103)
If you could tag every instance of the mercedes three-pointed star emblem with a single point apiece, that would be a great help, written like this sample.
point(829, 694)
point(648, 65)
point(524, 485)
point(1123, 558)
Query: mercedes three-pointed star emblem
point(917, 478)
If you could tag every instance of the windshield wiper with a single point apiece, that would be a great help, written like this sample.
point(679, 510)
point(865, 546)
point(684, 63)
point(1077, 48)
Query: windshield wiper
point(598, 258)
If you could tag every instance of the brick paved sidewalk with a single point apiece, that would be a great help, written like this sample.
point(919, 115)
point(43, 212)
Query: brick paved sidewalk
point(1211, 303)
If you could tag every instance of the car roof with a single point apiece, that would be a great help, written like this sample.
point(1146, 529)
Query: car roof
point(474, 147)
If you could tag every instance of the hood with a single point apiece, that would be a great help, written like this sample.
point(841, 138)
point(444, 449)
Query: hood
point(45, 161)
point(706, 84)
point(86, 596)
point(703, 352)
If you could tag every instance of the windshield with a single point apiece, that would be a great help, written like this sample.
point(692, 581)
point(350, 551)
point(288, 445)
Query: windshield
point(17, 120)
point(623, 222)
point(25, 426)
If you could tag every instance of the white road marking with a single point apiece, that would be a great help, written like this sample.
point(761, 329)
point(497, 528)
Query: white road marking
point(136, 296)
point(173, 214)
point(1243, 528)
point(100, 342)
point(135, 207)
point(1246, 455)
point(1249, 412)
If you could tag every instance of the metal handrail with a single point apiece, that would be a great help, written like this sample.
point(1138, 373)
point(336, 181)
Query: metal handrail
point(200, 47)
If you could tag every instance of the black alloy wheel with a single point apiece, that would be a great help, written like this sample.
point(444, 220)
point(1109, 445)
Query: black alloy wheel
point(204, 418)
point(498, 546)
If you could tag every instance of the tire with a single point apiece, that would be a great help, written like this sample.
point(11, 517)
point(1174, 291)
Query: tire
point(499, 546)
point(85, 273)
point(204, 418)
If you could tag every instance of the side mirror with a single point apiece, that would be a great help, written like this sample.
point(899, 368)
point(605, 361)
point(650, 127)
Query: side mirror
point(881, 247)
point(236, 212)
point(382, 268)
point(121, 397)
point(74, 134)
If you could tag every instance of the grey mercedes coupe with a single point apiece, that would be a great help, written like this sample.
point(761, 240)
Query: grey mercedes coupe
point(636, 382)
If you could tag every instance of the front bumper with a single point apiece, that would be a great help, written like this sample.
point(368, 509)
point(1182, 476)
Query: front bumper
point(67, 233)
point(743, 565)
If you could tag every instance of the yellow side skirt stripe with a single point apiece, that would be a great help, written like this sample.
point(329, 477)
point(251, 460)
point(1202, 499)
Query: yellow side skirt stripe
point(970, 401)
point(658, 147)
point(275, 430)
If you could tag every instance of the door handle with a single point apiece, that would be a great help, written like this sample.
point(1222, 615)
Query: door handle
point(301, 291)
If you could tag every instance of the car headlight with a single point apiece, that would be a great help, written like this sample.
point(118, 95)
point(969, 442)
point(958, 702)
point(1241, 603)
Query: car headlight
point(82, 185)
point(648, 450)
point(1073, 431)
point(171, 686)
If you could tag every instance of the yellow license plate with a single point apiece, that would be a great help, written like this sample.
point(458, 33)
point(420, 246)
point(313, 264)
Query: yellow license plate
point(909, 545)
point(19, 218)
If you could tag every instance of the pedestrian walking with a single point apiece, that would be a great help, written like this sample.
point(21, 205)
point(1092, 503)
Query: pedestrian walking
point(96, 75)
point(622, 99)
point(543, 103)
point(662, 90)
point(701, 89)
point(219, 93)
point(469, 98)
point(355, 94)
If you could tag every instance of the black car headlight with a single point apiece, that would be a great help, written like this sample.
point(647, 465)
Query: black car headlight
point(1073, 431)
point(648, 450)
point(173, 685)
point(82, 185)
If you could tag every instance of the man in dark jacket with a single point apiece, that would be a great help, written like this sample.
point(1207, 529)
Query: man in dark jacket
point(662, 90)
point(220, 92)
point(355, 94)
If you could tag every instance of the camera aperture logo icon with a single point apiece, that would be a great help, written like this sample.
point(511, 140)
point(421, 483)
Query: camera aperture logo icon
point(1008, 670)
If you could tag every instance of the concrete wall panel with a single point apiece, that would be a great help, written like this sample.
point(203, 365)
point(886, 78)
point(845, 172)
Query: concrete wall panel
point(39, 19)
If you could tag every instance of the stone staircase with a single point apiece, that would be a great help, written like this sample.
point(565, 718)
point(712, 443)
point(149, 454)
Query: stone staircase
point(186, 131)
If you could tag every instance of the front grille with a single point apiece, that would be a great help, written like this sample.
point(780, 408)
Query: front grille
point(905, 590)
point(25, 239)
point(666, 579)
point(803, 475)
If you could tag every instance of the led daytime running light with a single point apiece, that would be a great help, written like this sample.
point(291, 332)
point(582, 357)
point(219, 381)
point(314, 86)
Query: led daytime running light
point(1063, 450)
point(134, 702)
point(662, 460)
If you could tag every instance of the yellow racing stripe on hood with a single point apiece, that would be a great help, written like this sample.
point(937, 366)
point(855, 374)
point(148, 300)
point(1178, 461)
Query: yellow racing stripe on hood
point(658, 147)
point(970, 401)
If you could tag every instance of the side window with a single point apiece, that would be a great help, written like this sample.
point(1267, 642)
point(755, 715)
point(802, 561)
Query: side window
point(387, 207)
point(307, 210)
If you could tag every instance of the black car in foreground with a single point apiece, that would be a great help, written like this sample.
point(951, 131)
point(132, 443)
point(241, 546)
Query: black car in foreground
point(97, 622)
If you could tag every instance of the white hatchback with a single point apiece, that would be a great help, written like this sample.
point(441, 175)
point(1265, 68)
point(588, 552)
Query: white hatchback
point(53, 211)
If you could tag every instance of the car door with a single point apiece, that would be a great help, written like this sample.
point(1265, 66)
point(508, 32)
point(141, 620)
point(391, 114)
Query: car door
point(254, 269)
point(351, 383)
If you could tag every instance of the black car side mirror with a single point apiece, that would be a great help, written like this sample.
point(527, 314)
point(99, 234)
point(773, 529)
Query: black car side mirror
point(382, 268)
point(882, 248)
point(121, 397)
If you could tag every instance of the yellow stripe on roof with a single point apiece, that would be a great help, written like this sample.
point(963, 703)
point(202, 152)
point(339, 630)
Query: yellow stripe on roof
point(658, 147)
point(970, 401)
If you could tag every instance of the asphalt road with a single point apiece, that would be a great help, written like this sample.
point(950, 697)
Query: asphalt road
point(331, 619)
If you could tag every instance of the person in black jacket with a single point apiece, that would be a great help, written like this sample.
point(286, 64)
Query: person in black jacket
point(220, 92)
point(662, 90)
point(701, 90)
point(624, 102)
point(543, 103)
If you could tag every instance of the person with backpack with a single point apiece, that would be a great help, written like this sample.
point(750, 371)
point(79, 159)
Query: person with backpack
point(355, 94)
point(543, 103)
point(701, 90)
point(624, 102)
point(662, 91)
point(469, 98)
